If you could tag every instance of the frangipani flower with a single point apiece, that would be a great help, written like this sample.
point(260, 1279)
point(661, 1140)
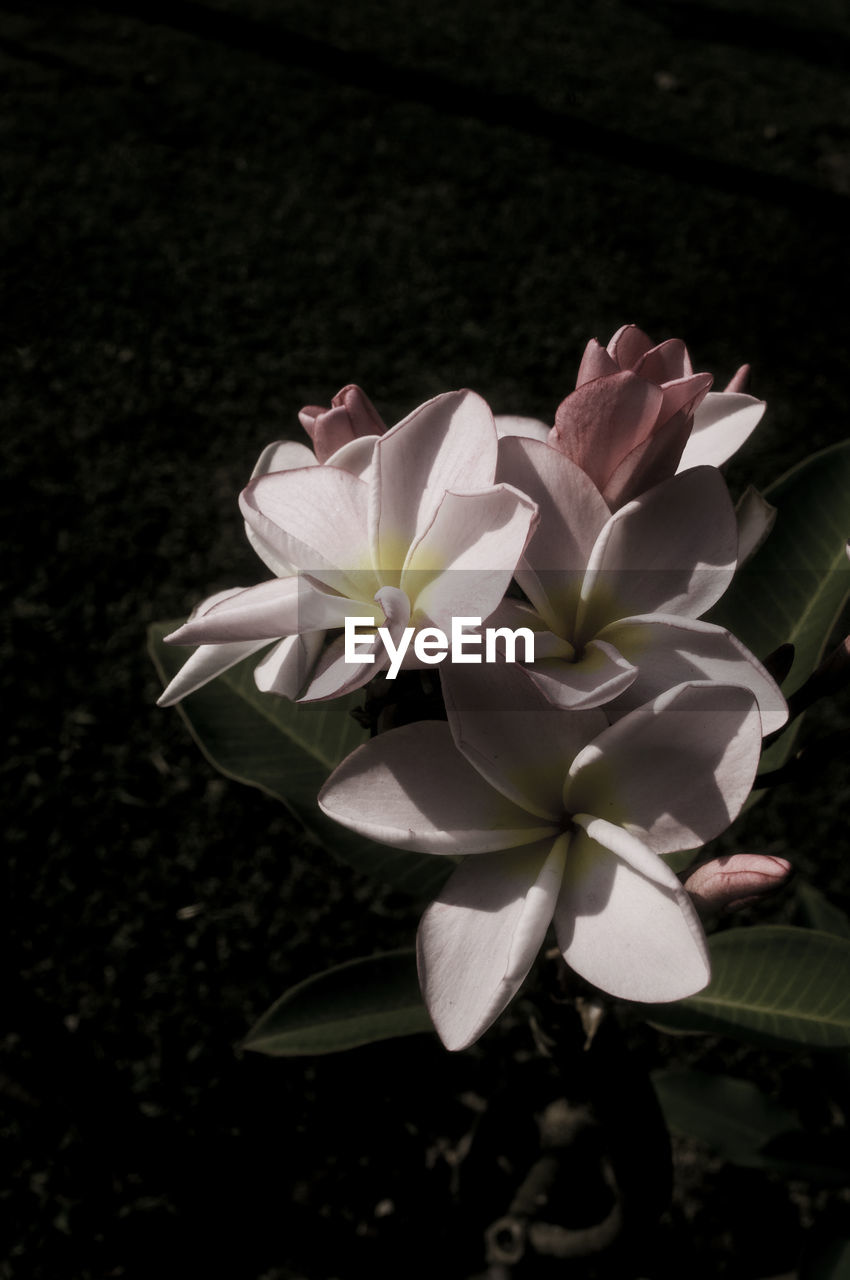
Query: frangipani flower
point(428, 536)
point(563, 818)
point(616, 599)
point(639, 414)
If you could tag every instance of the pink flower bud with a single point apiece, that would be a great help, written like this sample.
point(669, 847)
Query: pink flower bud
point(630, 416)
point(351, 416)
point(727, 884)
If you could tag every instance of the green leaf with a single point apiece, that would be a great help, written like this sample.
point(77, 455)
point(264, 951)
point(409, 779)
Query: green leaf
point(826, 1259)
point(353, 1004)
point(771, 984)
point(288, 749)
point(732, 1116)
point(796, 585)
point(819, 913)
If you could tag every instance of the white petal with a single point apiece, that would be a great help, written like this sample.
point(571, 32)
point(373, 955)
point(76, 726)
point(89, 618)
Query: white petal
point(511, 424)
point(317, 519)
point(448, 443)
point(756, 518)
point(413, 789)
point(672, 550)
point(598, 676)
point(356, 456)
point(674, 772)
point(513, 735)
point(283, 606)
point(463, 564)
point(572, 512)
point(722, 422)
point(284, 455)
point(207, 662)
point(668, 651)
point(287, 667)
point(478, 940)
point(623, 921)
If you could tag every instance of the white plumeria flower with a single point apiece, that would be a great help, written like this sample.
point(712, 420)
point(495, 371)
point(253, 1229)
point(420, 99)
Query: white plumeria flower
point(616, 599)
point(425, 536)
point(564, 819)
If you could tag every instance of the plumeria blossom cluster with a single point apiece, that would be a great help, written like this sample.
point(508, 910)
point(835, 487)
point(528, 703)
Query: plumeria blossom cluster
point(555, 786)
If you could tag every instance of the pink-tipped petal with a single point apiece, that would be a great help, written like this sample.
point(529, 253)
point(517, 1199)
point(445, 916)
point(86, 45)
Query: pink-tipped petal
point(649, 463)
point(412, 788)
point(673, 550)
point(595, 363)
point(674, 772)
point(628, 345)
point(664, 363)
point(722, 423)
point(670, 650)
point(623, 921)
point(448, 443)
point(602, 421)
point(684, 394)
point(478, 940)
point(739, 379)
point(513, 735)
point(356, 456)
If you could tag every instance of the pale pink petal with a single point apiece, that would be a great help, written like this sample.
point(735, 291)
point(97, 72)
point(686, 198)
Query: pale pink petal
point(287, 667)
point(513, 735)
point(673, 550)
point(317, 520)
point(653, 460)
point(511, 424)
point(722, 423)
point(448, 443)
point(664, 363)
point(412, 788)
point(478, 940)
point(623, 921)
point(674, 772)
point(207, 662)
point(628, 345)
point(739, 380)
point(463, 563)
point(672, 650)
point(684, 393)
point(602, 421)
point(572, 512)
point(268, 611)
point(756, 518)
point(595, 363)
point(602, 673)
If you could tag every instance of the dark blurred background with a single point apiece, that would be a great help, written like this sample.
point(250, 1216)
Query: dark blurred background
point(215, 213)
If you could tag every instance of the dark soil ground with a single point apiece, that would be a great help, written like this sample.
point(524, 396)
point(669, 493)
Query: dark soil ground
point(215, 213)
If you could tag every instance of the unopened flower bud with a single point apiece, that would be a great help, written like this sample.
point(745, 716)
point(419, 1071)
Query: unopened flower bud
point(730, 883)
point(351, 416)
